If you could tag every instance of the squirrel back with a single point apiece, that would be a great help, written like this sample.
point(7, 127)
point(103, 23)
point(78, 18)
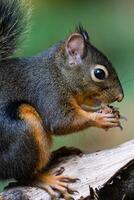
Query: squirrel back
point(14, 18)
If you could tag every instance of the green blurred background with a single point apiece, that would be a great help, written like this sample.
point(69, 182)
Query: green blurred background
point(111, 28)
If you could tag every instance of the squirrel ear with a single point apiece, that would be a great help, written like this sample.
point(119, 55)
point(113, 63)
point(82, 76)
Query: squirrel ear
point(74, 47)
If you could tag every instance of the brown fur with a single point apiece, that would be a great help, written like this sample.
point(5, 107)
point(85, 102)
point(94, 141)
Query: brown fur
point(43, 141)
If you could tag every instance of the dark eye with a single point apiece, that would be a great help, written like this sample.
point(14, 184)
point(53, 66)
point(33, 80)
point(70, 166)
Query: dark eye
point(99, 73)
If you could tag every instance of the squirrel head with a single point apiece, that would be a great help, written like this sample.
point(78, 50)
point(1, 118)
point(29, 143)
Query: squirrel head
point(90, 75)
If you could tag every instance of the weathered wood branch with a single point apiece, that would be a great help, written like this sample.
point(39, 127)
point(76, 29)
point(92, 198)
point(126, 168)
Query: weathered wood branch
point(111, 172)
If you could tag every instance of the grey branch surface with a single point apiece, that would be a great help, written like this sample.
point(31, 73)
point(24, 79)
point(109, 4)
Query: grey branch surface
point(93, 170)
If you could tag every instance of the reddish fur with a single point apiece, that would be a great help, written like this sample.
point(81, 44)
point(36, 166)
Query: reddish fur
point(43, 141)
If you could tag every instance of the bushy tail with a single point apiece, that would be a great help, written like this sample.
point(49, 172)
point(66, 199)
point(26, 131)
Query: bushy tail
point(14, 18)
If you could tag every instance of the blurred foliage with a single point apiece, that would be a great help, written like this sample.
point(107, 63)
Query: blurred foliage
point(111, 28)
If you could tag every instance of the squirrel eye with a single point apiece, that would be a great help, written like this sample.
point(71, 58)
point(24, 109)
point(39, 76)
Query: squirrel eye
point(99, 73)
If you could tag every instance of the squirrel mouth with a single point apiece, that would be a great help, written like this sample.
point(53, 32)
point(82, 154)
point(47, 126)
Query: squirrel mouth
point(94, 104)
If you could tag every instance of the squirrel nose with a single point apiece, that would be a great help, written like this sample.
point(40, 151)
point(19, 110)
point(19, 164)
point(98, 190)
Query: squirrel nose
point(120, 97)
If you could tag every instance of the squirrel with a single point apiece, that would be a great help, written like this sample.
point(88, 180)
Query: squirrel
point(43, 95)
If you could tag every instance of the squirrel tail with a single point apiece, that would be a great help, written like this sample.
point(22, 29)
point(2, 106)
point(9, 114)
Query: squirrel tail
point(14, 18)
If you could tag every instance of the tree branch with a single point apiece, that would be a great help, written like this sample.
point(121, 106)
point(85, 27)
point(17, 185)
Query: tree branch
point(108, 172)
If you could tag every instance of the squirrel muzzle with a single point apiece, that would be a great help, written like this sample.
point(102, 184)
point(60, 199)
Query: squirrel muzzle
point(120, 96)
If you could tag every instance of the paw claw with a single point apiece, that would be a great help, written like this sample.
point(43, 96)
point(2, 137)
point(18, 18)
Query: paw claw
point(71, 191)
point(74, 180)
point(77, 179)
point(60, 171)
point(68, 179)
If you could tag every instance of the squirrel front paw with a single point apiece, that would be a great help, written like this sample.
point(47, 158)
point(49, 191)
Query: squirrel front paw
point(104, 120)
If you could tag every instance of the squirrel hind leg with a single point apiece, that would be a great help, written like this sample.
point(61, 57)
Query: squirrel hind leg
point(43, 141)
point(52, 182)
